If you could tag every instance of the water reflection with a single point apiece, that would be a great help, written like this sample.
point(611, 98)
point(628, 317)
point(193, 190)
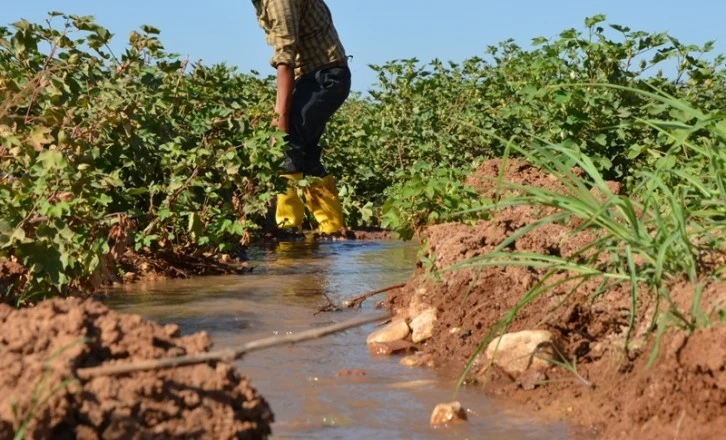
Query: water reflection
point(310, 400)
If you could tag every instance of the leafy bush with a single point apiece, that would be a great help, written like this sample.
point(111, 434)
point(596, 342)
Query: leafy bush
point(428, 195)
point(452, 114)
point(89, 138)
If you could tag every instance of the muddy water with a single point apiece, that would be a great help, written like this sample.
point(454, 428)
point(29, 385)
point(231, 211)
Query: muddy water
point(301, 382)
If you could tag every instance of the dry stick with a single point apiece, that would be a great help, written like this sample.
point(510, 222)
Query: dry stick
point(227, 355)
point(358, 300)
point(329, 307)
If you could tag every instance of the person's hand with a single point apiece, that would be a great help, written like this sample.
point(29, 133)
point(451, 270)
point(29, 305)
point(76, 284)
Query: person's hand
point(283, 101)
point(282, 123)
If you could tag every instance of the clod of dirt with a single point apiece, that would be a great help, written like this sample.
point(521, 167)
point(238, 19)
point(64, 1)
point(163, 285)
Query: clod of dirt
point(42, 347)
point(11, 276)
point(446, 413)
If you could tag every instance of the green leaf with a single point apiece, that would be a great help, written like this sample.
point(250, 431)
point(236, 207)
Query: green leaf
point(39, 137)
point(563, 98)
point(18, 235)
point(620, 28)
point(596, 19)
point(195, 226)
point(51, 159)
point(150, 29)
point(164, 213)
point(58, 209)
point(64, 259)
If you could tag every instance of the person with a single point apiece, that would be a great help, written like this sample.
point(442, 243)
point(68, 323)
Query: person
point(313, 81)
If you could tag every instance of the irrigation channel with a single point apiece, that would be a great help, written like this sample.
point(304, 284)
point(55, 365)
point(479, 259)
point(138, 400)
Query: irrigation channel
point(303, 383)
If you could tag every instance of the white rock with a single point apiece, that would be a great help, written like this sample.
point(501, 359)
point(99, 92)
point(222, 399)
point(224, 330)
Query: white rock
point(395, 331)
point(389, 348)
point(418, 360)
point(423, 325)
point(418, 303)
point(446, 413)
point(517, 352)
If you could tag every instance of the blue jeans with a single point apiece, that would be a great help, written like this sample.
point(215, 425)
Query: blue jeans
point(315, 98)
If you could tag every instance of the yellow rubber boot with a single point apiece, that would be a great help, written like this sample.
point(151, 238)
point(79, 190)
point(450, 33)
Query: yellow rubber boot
point(290, 211)
point(322, 200)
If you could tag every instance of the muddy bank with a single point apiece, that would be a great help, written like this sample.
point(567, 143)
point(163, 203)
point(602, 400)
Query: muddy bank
point(147, 266)
point(122, 265)
point(42, 347)
point(683, 395)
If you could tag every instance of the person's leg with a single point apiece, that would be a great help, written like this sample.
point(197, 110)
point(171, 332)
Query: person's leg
point(321, 196)
point(290, 210)
point(312, 100)
point(316, 98)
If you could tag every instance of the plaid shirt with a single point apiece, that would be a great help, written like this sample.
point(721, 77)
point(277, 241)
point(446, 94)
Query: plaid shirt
point(301, 33)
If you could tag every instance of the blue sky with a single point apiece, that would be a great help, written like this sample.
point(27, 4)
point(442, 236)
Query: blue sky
point(375, 31)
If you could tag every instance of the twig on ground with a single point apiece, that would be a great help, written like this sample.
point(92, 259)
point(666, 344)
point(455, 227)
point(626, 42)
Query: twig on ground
point(227, 355)
point(178, 271)
point(330, 306)
point(358, 300)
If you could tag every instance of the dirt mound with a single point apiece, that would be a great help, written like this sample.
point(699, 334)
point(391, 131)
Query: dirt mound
point(42, 347)
point(683, 395)
point(11, 275)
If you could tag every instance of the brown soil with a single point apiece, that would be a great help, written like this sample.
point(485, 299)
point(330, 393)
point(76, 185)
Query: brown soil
point(125, 265)
point(42, 347)
point(683, 395)
point(147, 267)
point(11, 275)
point(129, 266)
